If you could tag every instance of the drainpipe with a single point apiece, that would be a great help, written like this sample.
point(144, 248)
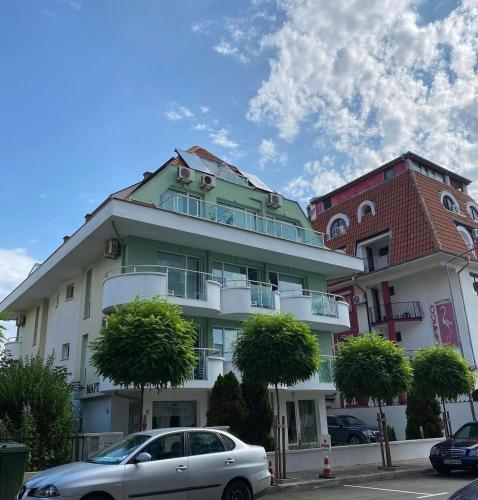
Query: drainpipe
point(354, 282)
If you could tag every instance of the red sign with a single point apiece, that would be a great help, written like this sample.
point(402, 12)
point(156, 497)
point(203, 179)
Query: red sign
point(443, 322)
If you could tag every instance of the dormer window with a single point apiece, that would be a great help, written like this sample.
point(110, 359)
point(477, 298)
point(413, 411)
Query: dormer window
point(366, 208)
point(472, 210)
point(337, 225)
point(449, 202)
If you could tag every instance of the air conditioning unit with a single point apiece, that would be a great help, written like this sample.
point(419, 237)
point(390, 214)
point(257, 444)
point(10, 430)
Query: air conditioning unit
point(360, 299)
point(337, 231)
point(208, 181)
point(21, 319)
point(112, 249)
point(185, 175)
point(474, 234)
point(455, 209)
point(275, 200)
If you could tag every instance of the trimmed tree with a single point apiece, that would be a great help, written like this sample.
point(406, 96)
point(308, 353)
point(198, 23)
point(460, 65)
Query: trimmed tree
point(370, 366)
point(146, 343)
point(442, 372)
point(259, 414)
point(422, 412)
point(226, 404)
point(276, 350)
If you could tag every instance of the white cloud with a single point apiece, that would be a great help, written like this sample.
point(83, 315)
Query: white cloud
point(176, 112)
point(268, 153)
point(201, 27)
point(200, 126)
point(370, 80)
point(204, 109)
point(220, 137)
point(15, 264)
point(227, 49)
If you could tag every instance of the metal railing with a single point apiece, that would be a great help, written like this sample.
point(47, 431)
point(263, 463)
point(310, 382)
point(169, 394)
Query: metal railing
point(323, 304)
point(261, 293)
point(395, 311)
point(326, 371)
point(200, 371)
point(243, 219)
point(182, 283)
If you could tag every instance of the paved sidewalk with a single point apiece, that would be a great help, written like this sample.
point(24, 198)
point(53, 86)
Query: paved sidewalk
point(352, 474)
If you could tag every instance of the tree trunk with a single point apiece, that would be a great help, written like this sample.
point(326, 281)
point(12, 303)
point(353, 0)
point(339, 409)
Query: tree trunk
point(388, 456)
point(277, 436)
point(140, 411)
point(445, 419)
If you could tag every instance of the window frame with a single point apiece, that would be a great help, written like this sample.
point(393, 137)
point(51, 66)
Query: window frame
point(70, 286)
point(454, 201)
point(148, 443)
point(205, 431)
point(67, 356)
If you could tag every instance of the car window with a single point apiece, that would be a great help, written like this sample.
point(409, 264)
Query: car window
point(169, 446)
point(333, 421)
point(118, 451)
point(349, 420)
point(203, 443)
point(467, 431)
point(230, 444)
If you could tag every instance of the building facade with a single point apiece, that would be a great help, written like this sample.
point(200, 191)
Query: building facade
point(214, 240)
point(415, 227)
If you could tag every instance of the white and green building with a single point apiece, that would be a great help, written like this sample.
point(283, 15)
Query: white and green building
point(214, 240)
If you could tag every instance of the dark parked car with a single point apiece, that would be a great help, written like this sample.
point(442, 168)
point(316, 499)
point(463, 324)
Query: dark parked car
point(351, 430)
point(468, 492)
point(458, 453)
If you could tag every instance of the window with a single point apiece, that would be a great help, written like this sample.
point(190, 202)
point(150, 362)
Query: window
point(338, 227)
point(449, 204)
point(286, 282)
point(230, 444)
point(399, 336)
point(70, 290)
point(65, 351)
point(465, 234)
point(388, 174)
point(184, 278)
point(203, 443)
point(87, 308)
point(333, 422)
point(117, 452)
point(365, 208)
point(224, 272)
point(472, 210)
point(391, 290)
point(327, 203)
point(467, 431)
point(184, 203)
point(83, 354)
point(383, 252)
point(35, 328)
point(57, 299)
point(174, 414)
point(165, 447)
point(223, 338)
point(238, 217)
point(474, 281)
point(307, 419)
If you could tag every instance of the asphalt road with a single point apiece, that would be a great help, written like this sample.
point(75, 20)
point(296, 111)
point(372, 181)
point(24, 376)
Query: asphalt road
point(389, 489)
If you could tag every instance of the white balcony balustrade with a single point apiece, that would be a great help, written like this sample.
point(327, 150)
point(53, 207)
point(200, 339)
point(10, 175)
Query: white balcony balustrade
point(196, 292)
point(241, 298)
point(13, 348)
point(322, 380)
point(322, 311)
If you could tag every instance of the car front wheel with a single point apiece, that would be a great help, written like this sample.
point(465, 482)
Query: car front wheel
point(442, 470)
point(237, 490)
point(354, 439)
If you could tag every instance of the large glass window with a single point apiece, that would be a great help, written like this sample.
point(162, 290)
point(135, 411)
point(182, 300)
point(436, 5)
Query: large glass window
point(286, 282)
point(203, 443)
point(223, 339)
point(291, 422)
point(87, 307)
point(165, 447)
point(224, 272)
point(338, 227)
point(308, 422)
point(184, 278)
point(174, 414)
point(118, 451)
point(449, 204)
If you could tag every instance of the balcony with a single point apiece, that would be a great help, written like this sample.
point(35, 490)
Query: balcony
point(396, 311)
point(242, 219)
point(196, 292)
point(322, 380)
point(241, 298)
point(13, 348)
point(320, 310)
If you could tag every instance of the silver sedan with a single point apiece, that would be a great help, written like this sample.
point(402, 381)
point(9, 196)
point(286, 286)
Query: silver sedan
point(175, 464)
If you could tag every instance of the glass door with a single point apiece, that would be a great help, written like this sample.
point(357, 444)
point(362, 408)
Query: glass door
point(184, 279)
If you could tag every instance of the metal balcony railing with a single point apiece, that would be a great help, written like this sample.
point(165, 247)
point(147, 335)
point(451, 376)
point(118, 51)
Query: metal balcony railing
point(395, 311)
point(323, 304)
point(261, 293)
point(243, 219)
point(200, 371)
point(182, 283)
point(326, 371)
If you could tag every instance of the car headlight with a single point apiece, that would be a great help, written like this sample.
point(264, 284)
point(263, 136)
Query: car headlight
point(45, 492)
point(473, 453)
point(435, 451)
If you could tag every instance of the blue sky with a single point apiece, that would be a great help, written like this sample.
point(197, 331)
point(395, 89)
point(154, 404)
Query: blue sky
point(307, 95)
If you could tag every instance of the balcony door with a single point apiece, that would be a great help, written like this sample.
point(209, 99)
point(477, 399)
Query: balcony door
point(184, 277)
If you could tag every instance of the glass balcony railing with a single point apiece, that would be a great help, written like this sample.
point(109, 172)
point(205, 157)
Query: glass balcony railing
point(182, 283)
point(261, 293)
point(326, 371)
point(323, 304)
point(243, 219)
point(200, 371)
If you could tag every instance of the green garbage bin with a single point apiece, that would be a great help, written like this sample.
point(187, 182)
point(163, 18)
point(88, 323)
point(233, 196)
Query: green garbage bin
point(13, 459)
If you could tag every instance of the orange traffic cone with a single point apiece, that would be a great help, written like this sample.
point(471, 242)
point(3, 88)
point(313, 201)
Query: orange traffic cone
point(273, 479)
point(327, 471)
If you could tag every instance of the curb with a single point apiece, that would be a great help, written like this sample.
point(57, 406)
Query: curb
point(313, 484)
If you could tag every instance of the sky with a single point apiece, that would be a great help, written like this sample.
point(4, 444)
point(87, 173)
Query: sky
point(305, 94)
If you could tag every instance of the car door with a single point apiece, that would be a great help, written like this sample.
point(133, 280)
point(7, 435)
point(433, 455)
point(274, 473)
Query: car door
point(165, 476)
point(211, 465)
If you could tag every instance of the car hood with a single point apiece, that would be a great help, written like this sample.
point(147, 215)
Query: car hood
point(458, 443)
point(71, 473)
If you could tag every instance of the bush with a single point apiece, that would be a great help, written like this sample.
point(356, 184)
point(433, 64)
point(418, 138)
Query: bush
point(36, 409)
point(226, 404)
point(424, 412)
point(392, 436)
point(259, 415)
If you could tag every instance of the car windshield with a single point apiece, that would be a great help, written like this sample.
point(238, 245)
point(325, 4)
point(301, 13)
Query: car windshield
point(467, 431)
point(118, 451)
point(349, 420)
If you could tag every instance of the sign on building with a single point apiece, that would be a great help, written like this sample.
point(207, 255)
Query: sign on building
point(443, 322)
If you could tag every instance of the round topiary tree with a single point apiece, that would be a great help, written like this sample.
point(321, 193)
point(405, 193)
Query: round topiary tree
point(146, 342)
point(422, 412)
point(226, 405)
point(442, 372)
point(370, 366)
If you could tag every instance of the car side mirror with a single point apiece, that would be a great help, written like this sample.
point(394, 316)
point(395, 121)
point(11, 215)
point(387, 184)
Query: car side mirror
point(143, 457)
